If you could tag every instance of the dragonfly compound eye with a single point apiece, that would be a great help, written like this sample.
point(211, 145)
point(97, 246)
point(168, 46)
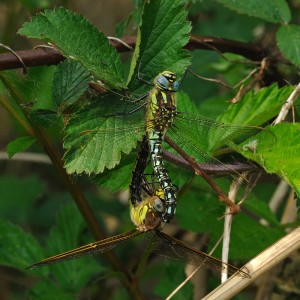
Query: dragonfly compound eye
point(167, 81)
point(162, 82)
point(175, 86)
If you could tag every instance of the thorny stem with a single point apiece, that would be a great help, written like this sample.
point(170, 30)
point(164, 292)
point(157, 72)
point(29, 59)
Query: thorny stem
point(41, 56)
point(216, 169)
point(233, 207)
point(74, 190)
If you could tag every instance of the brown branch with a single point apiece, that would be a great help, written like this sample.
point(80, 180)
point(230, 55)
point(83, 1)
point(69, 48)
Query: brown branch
point(199, 171)
point(216, 169)
point(74, 190)
point(47, 56)
point(248, 50)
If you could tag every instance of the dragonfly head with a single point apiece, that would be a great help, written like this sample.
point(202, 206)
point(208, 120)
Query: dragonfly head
point(147, 214)
point(166, 81)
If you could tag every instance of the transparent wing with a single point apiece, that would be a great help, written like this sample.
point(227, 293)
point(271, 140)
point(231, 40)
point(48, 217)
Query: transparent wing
point(200, 137)
point(167, 246)
point(89, 249)
point(212, 135)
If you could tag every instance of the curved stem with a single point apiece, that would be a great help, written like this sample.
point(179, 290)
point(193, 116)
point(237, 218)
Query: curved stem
point(73, 189)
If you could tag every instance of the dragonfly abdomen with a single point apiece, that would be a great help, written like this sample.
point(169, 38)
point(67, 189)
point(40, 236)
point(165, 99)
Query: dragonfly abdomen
point(136, 184)
point(155, 142)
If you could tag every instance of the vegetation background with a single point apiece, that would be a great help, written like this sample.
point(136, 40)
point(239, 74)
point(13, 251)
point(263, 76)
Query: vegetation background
point(37, 214)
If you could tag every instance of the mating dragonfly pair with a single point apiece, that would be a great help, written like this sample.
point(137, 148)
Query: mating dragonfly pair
point(190, 134)
point(146, 214)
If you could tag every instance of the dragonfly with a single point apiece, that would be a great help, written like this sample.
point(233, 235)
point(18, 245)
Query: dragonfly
point(103, 128)
point(148, 224)
point(107, 134)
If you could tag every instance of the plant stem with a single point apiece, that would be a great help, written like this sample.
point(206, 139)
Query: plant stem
point(233, 207)
point(73, 189)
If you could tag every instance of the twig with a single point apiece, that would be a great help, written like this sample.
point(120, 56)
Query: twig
point(263, 262)
point(181, 285)
point(248, 50)
point(211, 169)
point(115, 39)
point(278, 196)
point(218, 81)
point(222, 197)
point(236, 183)
point(17, 56)
point(266, 283)
point(73, 189)
point(287, 105)
point(29, 157)
point(38, 57)
point(258, 74)
point(290, 211)
point(6, 104)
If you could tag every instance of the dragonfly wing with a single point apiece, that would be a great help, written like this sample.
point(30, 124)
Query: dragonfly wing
point(199, 155)
point(193, 135)
point(214, 135)
point(167, 246)
point(89, 249)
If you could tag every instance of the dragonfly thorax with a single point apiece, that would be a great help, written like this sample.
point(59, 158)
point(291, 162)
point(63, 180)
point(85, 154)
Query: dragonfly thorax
point(166, 81)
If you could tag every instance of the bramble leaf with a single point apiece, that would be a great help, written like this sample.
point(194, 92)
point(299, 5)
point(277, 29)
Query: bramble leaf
point(78, 39)
point(288, 41)
point(284, 157)
point(96, 135)
point(275, 11)
point(20, 144)
point(69, 83)
point(161, 37)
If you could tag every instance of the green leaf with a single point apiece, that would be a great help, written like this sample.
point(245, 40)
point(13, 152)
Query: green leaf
point(18, 248)
point(288, 41)
point(24, 192)
point(205, 211)
point(171, 275)
point(275, 11)
point(97, 135)
point(48, 290)
point(261, 209)
point(69, 83)
point(185, 104)
point(202, 213)
point(78, 39)
point(284, 157)
point(244, 228)
point(161, 37)
point(45, 117)
point(63, 237)
point(120, 177)
point(256, 108)
point(19, 145)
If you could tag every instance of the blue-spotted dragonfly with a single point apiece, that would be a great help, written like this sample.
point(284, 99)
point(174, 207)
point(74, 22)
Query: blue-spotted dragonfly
point(146, 214)
point(98, 134)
